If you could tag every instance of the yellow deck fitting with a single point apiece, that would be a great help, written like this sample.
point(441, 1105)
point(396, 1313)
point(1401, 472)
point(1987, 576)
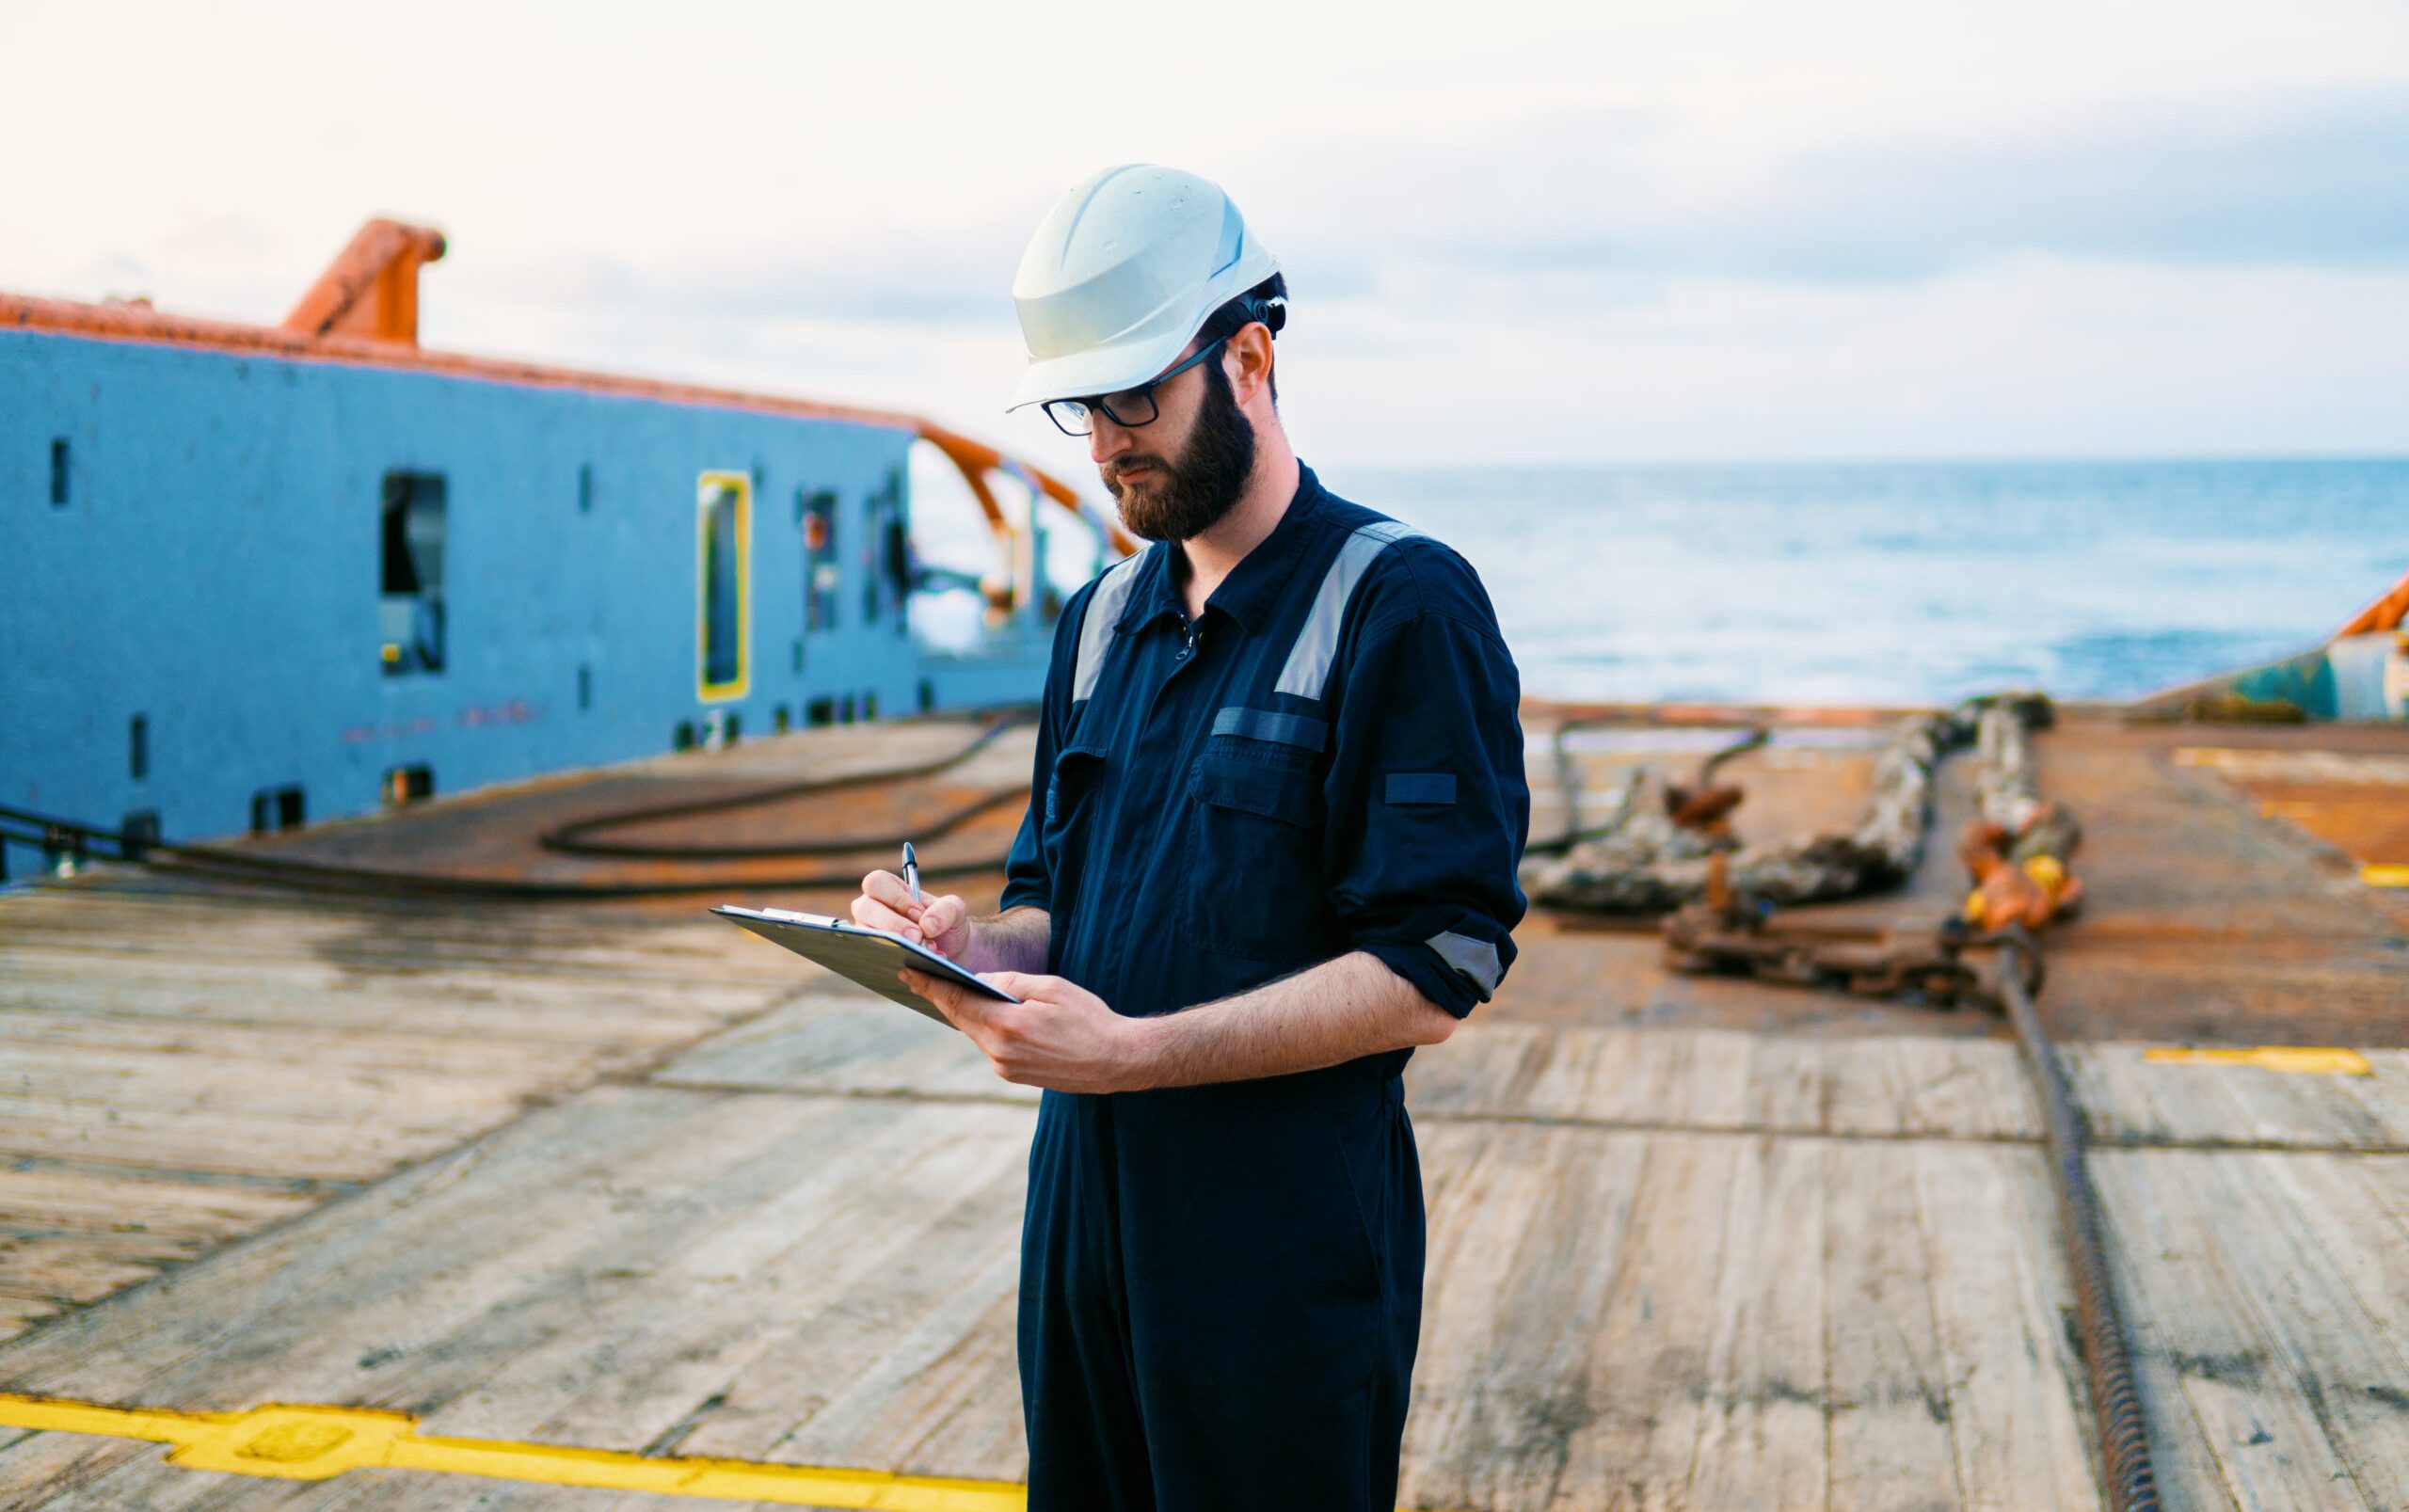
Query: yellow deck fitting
point(2308, 1059)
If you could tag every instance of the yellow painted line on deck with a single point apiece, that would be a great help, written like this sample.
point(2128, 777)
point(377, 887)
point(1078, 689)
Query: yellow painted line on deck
point(315, 1443)
point(320, 1442)
point(2385, 876)
point(2308, 1059)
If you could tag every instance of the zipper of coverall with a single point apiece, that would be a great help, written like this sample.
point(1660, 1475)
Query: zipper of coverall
point(1181, 661)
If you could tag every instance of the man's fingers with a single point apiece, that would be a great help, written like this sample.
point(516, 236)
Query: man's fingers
point(872, 914)
point(944, 916)
point(890, 889)
point(886, 903)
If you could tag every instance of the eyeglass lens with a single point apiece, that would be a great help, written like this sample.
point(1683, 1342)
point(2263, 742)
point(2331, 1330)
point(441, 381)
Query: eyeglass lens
point(1129, 408)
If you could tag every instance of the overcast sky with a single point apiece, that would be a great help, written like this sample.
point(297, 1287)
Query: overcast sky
point(1601, 232)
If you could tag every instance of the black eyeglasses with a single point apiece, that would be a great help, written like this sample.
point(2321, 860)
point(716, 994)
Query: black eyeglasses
point(1129, 409)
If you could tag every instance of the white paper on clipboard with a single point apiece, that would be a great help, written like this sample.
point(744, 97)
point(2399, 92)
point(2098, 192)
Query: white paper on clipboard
point(866, 957)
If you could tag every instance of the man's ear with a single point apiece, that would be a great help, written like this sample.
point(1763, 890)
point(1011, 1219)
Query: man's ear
point(1247, 359)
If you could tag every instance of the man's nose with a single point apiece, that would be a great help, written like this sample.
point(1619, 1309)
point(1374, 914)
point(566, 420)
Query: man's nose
point(1107, 441)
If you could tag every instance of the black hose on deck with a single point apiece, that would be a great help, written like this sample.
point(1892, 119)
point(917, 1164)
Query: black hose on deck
point(54, 832)
point(578, 836)
point(2115, 1402)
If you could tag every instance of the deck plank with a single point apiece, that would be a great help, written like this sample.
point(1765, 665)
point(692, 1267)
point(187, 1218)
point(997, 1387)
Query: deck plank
point(2000, 1297)
point(848, 1043)
point(1526, 1228)
point(815, 1221)
point(2131, 1099)
point(2225, 1429)
point(1764, 1438)
point(183, 1066)
point(2318, 1316)
point(1645, 1383)
point(1892, 1448)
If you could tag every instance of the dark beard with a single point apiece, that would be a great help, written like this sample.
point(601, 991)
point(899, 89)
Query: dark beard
point(1183, 500)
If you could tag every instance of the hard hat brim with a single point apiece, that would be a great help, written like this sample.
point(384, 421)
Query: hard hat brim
point(1097, 371)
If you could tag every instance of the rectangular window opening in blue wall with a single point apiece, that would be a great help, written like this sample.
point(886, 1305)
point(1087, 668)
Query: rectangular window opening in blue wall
point(816, 512)
point(723, 575)
point(409, 784)
point(279, 809)
point(409, 605)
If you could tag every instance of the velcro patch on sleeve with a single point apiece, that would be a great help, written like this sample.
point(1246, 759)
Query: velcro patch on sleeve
point(1421, 788)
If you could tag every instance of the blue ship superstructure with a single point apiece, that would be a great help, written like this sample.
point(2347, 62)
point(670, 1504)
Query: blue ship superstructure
point(261, 576)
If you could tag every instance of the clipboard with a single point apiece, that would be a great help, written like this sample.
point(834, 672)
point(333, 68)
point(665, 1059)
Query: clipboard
point(866, 957)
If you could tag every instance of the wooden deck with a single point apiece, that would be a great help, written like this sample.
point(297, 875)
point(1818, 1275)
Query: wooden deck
point(621, 1178)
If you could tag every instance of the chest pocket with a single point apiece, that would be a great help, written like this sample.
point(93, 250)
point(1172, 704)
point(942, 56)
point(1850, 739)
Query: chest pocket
point(1254, 883)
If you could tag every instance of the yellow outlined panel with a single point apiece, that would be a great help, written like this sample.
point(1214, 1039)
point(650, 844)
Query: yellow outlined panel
point(723, 586)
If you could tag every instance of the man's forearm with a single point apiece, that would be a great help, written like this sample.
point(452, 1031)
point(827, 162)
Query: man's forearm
point(1347, 1007)
point(1013, 940)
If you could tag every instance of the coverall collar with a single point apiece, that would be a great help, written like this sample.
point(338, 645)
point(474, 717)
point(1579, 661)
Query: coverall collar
point(1251, 591)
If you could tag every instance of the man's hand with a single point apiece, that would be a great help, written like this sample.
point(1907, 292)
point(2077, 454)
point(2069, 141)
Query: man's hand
point(1060, 1035)
point(942, 923)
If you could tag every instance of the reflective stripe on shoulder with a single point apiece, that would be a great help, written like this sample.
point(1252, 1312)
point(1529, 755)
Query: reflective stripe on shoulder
point(1475, 961)
point(1104, 605)
point(1308, 668)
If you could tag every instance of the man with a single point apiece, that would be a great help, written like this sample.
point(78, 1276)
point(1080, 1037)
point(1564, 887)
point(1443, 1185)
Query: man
point(1270, 848)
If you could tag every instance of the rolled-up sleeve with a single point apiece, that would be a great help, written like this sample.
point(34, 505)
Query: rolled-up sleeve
point(1429, 807)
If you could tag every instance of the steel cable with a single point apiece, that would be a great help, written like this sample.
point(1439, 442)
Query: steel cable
point(2115, 1400)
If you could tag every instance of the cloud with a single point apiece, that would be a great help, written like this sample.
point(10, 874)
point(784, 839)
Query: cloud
point(1569, 219)
point(940, 276)
point(2313, 182)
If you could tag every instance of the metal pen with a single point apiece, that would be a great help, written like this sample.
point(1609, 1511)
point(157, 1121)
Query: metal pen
point(912, 871)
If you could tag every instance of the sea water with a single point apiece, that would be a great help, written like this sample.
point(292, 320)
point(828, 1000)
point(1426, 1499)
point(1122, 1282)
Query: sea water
point(1908, 583)
point(1876, 584)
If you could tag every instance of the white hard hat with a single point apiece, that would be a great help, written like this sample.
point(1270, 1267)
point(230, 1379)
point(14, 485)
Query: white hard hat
point(1122, 272)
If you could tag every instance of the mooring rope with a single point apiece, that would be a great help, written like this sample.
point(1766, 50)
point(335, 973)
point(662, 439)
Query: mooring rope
point(1643, 860)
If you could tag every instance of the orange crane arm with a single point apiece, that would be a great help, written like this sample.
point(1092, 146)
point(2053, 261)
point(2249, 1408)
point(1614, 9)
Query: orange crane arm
point(2385, 613)
point(977, 459)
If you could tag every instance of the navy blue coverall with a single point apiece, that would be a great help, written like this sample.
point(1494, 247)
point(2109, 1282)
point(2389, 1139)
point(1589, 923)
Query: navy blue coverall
point(1222, 1286)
